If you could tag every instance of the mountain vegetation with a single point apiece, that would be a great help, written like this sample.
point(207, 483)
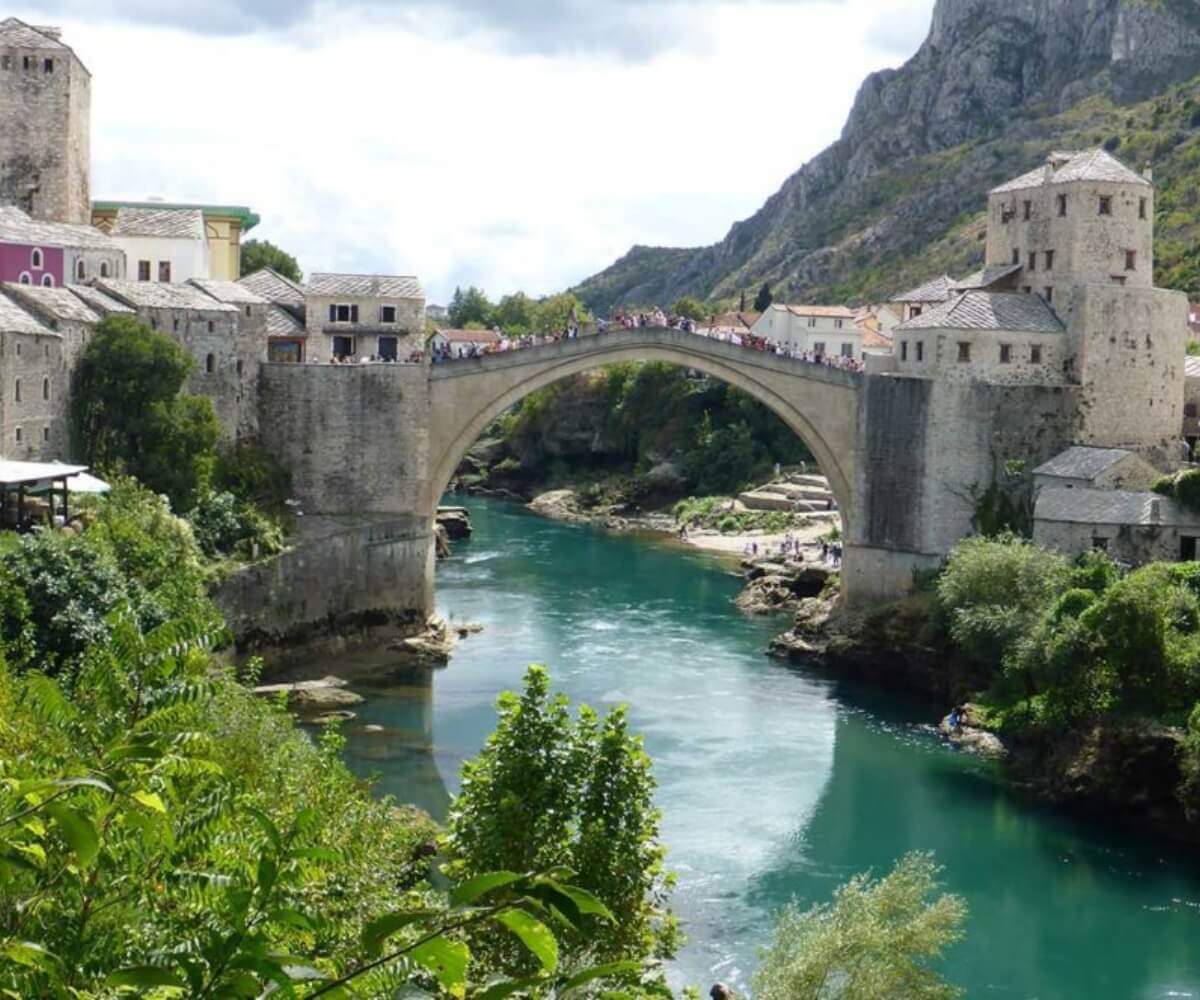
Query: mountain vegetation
point(899, 197)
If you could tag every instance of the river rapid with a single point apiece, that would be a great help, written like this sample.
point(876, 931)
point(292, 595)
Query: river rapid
point(774, 784)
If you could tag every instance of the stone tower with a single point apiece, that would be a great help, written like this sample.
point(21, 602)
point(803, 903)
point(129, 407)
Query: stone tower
point(45, 140)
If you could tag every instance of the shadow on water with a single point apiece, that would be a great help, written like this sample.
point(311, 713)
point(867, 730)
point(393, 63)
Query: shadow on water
point(776, 784)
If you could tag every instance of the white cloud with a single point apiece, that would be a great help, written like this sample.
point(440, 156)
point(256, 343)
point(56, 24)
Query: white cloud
point(366, 145)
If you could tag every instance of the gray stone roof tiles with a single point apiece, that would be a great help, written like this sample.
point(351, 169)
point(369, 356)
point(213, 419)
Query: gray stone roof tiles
point(228, 291)
point(937, 290)
point(1191, 368)
point(1091, 165)
point(1088, 506)
point(372, 285)
point(1011, 311)
point(57, 303)
point(1081, 462)
point(17, 34)
point(985, 278)
point(274, 287)
point(14, 319)
point(98, 301)
point(171, 223)
point(281, 323)
point(17, 227)
point(153, 295)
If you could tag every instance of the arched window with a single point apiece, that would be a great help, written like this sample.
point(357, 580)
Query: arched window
point(80, 271)
point(17, 391)
point(25, 278)
point(239, 368)
point(45, 388)
point(35, 259)
point(210, 364)
point(47, 280)
point(104, 269)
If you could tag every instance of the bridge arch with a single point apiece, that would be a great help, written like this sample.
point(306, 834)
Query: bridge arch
point(819, 404)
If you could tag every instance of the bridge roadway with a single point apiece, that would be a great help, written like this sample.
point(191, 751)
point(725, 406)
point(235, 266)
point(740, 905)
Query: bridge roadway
point(818, 402)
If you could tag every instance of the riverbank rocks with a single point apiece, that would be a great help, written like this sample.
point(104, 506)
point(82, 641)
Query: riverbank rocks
point(432, 646)
point(774, 586)
point(456, 521)
point(319, 696)
point(971, 737)
point(561, 505)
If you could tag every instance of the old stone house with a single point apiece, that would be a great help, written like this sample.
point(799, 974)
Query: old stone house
point(33, 386)
point(364, 315)
point(1095, 468)
point(1134, 528)
point(51, 254)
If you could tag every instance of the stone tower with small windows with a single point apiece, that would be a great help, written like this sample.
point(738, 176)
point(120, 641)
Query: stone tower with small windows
point(1079, 232)
point(45, 107)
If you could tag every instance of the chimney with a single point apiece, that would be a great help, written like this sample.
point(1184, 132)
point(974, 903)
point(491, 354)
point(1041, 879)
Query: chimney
point(1148, 173)
point(1156, 511)
point(1048, 172)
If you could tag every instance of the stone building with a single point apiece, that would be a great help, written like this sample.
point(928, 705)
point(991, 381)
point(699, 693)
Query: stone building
point(915, 301)
point(287, 335)
point(364, 315)
point(45, 140)
point(162, 244)
point(33, 387)
point(1095, 468)
point(819, 330)
point(65, 313)
point(1133, 527)
point(51, 254)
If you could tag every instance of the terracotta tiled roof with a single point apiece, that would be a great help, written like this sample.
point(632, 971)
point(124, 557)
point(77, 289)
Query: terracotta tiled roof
point(821, 312)
point(874, 340)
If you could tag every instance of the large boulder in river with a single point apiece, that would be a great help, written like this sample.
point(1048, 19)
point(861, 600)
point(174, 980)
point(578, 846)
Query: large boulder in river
point(562, 505)
point(456, 521)
point(324, 695)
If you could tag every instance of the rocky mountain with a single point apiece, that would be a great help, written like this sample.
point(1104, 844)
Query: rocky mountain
point(995, 86)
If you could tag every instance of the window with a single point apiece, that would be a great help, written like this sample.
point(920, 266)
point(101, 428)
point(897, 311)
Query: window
point(5, 62)
point(343, 347)
point(18, 350)
point(1049, 261)
point(811, 322)
point(904, 350)
point(819, 349)
point(388, 348)
point(164, 271)
point(1048, 293)
point(35, 259)
point(387, 314)
point(247, 312)
point(1028, 210)
point(210, 363)
point(1118, 279)
point(47, 281)
point(175, 324)
point(25, 279)
point(1189, 410)
point(1062, 205)
point(18, 435)
point(1141, 208)
point(1100, 544)
point(211, 326)
point(1130, 260)
point(343, 314)
point(838, 324)
point(27, 62)
point(1028, 289)
point(920, 350)
point(45, 433)
point(1032, 260)
point(45, 388)
point(1035, 354)
point(17, 391)
point(847, 350)
point(104, 269)
point(80, 271)
point(1016, 256)
point(240, 367)
point(1005, 354)
point(47, 65)
point(143, 270)
point(1106, 204)
point(915, 311)
point(154, 324)
point(964, 350)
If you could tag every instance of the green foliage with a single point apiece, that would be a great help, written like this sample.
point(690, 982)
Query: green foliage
point(692, 309)
point(764, 298)
point(876, 939)
point(128, 414)
point(469, 306)
point(257, 254)
point(550, 790)
point(225, 526)
point(993, 591)
point(1006, 506)
point(1193, 345)
point(716, 513)
point(253, 475)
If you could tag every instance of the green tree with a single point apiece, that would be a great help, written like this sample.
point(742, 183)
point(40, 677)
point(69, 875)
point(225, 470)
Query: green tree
point(257, 254)
point(470, 306)
point(875, 941)
point(762, 301)
point(556, 313)
point(128, 414)
point(549, 790)
point(515, 314)
point(691, 308)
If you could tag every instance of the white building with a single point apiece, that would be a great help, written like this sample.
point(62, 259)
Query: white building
point(819, 330)
point(165, 245)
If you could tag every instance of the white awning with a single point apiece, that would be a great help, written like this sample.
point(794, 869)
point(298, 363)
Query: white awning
point(41, 473)
point(85, 482)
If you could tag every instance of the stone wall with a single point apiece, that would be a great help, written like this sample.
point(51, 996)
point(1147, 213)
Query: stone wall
point(45, 152)
point(33, 427)
point(938, 351)
point(1129, 347)
point(356, 437)
point(408, 327)
point(342, 575)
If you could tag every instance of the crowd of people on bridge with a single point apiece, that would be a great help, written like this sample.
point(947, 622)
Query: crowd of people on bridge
point(653, 319)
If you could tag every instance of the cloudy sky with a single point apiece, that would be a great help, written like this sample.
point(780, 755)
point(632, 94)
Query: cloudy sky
point(512, 144)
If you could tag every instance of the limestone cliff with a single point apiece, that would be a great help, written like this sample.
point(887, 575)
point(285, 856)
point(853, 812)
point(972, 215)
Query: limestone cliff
point(996, 85)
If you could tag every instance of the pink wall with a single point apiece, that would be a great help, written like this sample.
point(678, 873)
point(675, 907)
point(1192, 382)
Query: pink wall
point(15, 260)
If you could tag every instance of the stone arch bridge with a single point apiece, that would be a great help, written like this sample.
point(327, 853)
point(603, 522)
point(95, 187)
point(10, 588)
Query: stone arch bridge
point(817, 402)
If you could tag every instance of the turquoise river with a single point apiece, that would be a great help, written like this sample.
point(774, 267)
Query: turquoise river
point(775, 784)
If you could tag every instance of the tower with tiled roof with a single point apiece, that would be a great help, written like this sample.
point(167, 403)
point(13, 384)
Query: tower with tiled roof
point(45, 109)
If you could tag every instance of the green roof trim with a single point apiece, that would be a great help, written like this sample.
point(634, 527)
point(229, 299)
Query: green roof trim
point(248, 219)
